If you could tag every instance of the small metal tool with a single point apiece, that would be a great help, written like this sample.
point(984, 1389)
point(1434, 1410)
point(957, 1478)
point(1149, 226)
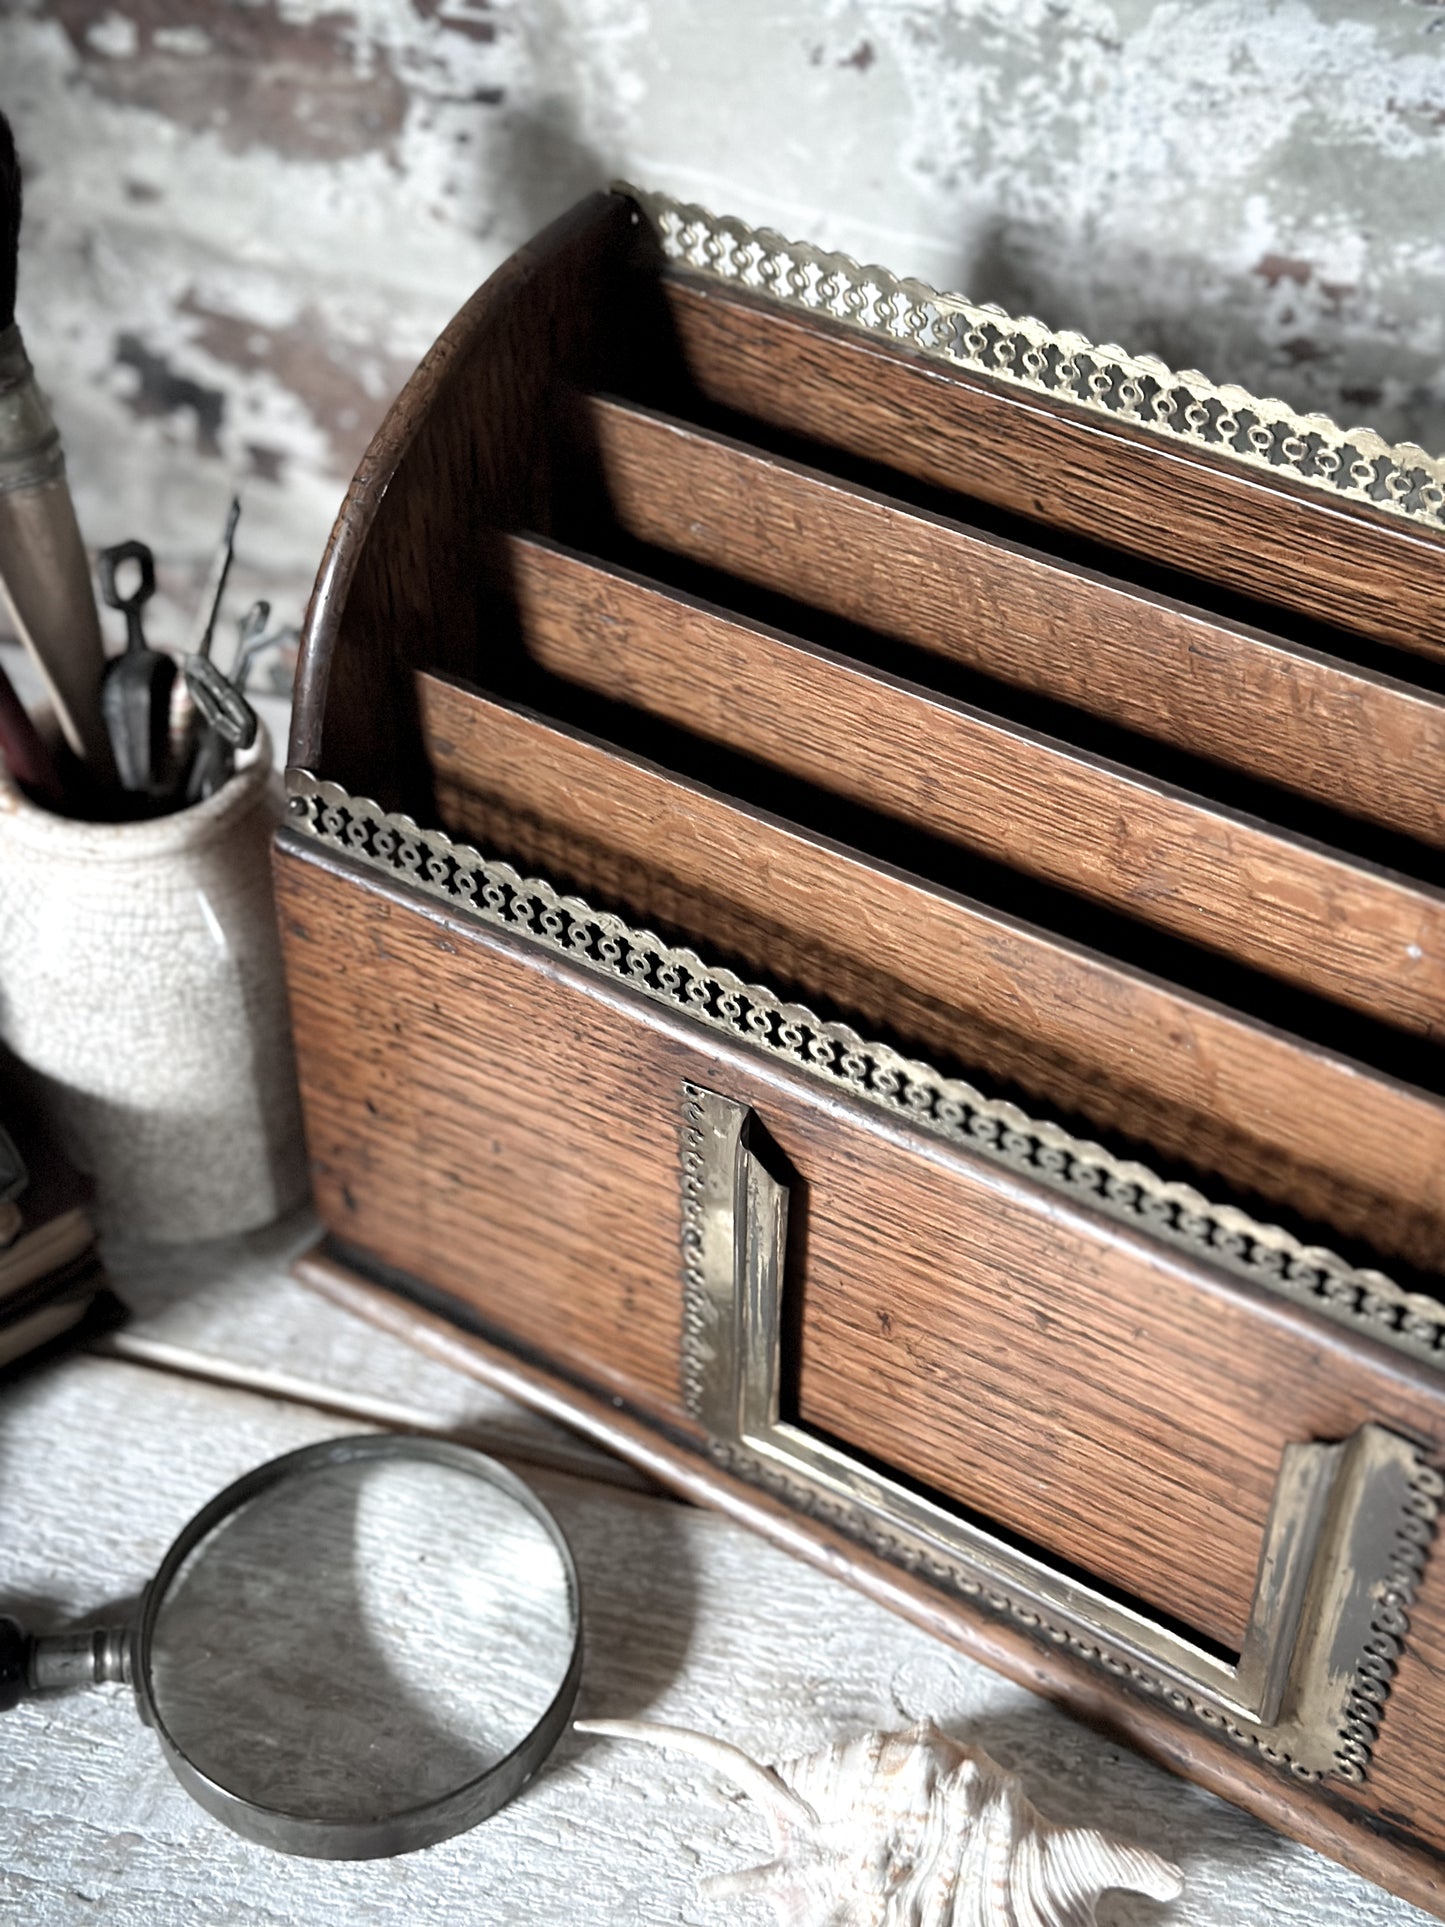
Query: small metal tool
point(221, 701)
point(136, 692)
point(212, 764)
point(229, 724)
point(212, 759)
point(216, 580)
point(251, 642)
point(222, 706)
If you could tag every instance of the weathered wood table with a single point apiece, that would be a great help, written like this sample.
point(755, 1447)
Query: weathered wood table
point(227, 1362)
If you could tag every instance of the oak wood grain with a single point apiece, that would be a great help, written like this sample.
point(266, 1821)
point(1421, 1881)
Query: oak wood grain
point(1132, 1424)
point(1219, 522)
point(1336, 925)
point(480, 1118)
point(1174, 1073)
point(1360, 741)
point(1168, 1472)
point(934, 1336)
point(453, 1140)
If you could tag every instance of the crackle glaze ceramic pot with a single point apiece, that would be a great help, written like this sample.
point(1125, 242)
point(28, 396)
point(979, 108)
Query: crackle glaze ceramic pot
point(140, 978)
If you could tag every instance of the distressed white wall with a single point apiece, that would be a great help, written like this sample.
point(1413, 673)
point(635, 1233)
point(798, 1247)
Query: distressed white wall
point(247, 220)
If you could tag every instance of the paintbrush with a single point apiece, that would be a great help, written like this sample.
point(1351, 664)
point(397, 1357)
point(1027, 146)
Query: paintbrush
point(22, 750)
point(43, 569)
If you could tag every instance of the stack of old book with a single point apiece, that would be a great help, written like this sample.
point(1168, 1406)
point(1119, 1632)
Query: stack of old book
point(52, 1286)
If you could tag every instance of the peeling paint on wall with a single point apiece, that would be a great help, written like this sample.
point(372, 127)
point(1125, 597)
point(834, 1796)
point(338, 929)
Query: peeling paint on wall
point(248, 221)
point(1249, 189)
point(251, 75)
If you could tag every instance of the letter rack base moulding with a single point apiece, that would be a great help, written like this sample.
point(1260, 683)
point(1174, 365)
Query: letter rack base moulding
point(1346, 1538)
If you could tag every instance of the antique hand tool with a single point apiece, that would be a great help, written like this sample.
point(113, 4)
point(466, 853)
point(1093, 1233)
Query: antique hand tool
point(207, 755)
point(230, 724)
point(135, 695)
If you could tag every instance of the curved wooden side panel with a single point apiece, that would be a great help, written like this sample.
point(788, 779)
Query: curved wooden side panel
point(412, 575)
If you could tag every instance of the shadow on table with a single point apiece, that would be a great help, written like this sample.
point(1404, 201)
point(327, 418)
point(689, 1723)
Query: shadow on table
point(45, 1613)
point(151, 1278)
point(1081, 1777)
point(639, 1593)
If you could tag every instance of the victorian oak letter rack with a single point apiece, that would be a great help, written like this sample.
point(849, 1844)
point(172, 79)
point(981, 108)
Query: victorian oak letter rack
point(863, 909)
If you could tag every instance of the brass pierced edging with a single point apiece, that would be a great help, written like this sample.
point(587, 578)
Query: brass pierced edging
point(1356, 464)
point(1374, 1668)
point(694, 1286)
point(497, 894)
point(953, 1575)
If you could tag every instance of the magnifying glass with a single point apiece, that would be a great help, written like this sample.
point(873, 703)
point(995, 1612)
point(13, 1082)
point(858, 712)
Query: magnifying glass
point(361, 1648)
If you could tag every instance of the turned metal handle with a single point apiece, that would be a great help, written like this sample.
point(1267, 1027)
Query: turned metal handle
point(59, 1662)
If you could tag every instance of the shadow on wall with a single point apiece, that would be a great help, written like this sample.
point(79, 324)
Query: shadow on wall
point(1280, 329)
point(545, 166)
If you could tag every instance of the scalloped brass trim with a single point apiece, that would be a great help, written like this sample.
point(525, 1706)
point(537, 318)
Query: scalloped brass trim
point(493, 892)
point(1185, 407)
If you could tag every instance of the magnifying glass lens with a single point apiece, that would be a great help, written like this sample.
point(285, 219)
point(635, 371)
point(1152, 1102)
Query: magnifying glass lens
point(362, 1639)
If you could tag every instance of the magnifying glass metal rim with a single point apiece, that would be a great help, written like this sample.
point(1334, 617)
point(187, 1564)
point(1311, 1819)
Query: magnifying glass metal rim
point(419, 1826)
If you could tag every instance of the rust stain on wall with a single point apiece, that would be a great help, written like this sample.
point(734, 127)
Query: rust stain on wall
point(1275, 268)
point(160, 391)
point(244, 73)
point(307, 361)
point(467, 17)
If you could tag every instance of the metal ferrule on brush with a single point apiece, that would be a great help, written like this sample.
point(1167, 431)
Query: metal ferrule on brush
point(30, 452)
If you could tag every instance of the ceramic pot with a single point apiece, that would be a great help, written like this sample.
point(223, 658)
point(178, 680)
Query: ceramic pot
point(140, 978)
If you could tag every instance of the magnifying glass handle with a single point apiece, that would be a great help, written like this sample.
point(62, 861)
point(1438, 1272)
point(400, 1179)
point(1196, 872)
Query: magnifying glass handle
point(59, 1662)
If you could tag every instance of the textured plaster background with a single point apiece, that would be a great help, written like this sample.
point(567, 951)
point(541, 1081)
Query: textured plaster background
point(248, 219)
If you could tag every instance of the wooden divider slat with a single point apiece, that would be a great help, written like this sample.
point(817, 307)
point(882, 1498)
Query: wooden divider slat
point(1349, 737)
point(1310, 916)
point(1071, 1029)
point(1279, 542)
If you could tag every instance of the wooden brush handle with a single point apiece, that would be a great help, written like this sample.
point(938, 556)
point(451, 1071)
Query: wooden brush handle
point(43, 567)
point(24, 753)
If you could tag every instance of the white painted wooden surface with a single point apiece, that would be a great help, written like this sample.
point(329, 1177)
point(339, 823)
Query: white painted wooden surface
point(690, 1619)
point(231, 1310)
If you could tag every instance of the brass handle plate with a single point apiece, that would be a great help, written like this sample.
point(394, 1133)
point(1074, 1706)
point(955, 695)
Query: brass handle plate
point(1346, 1538)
